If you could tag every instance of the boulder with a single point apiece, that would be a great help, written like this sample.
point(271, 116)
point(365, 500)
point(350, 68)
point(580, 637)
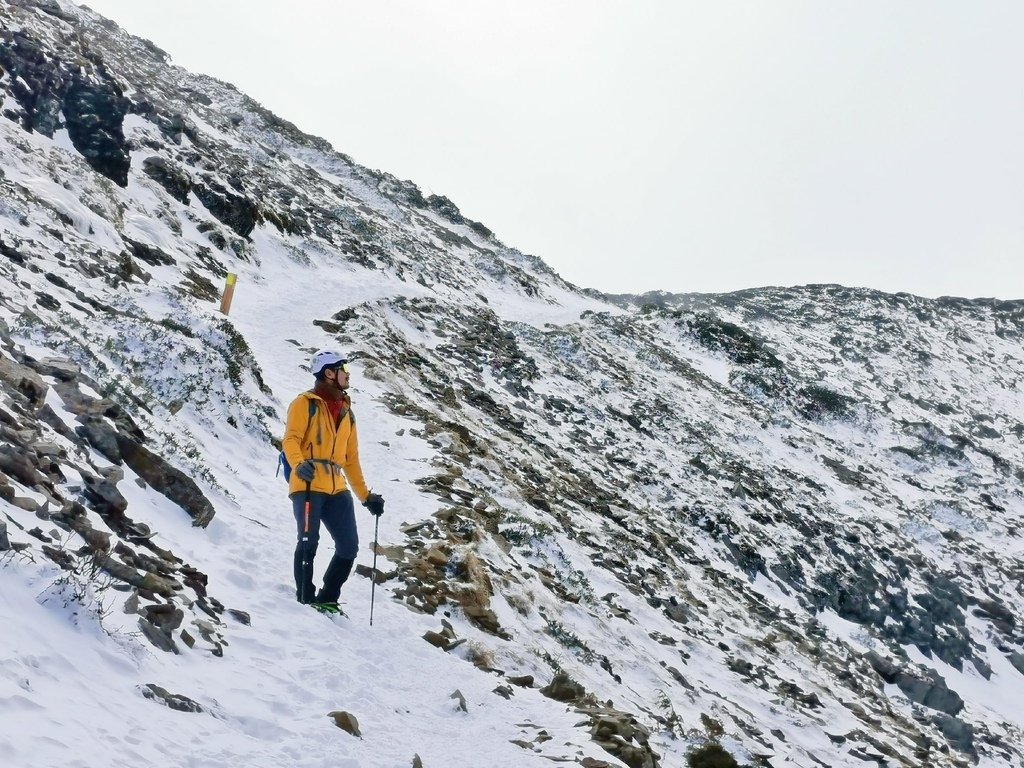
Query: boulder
point(24, 380)
point(158, 636)
point(459, 699)
point(98, 433)
point(16, 464)
point(346, 721)
point(563, 688)
point(59, 368)
point(104, 497)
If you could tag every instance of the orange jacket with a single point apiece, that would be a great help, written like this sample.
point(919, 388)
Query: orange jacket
point(335, 451)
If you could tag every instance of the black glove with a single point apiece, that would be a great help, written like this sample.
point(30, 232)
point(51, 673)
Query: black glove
point(306, 471)
point(375, 503)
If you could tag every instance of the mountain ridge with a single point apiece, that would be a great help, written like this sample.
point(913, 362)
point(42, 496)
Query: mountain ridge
point(785, 521)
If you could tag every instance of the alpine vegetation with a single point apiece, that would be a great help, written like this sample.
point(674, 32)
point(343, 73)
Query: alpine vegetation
point(782, 526)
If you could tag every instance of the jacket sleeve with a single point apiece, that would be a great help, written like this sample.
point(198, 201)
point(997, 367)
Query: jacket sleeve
point(295, 427)
point(353, 471)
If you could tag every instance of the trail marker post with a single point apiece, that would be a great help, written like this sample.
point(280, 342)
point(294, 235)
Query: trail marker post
point(229, 292)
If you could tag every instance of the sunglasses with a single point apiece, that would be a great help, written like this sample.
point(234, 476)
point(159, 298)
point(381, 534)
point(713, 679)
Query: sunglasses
point(339, 367)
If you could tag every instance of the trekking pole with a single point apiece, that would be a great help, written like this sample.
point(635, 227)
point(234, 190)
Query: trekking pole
point(373, 574)
point(305, 547)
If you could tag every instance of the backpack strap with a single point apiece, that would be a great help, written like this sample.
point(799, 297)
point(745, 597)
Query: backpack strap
point(282, 461)
point(309, 422)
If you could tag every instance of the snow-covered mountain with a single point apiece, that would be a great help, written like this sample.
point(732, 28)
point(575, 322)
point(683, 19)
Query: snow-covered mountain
point(775, 527)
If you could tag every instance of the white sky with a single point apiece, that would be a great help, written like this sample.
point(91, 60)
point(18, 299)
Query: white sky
point(671, 145)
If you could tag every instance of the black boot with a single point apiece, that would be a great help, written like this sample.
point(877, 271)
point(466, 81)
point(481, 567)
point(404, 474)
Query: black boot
point(304, 554)
point(337, 574)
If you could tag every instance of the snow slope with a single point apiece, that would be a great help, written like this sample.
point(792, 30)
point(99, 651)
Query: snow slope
point(783, 521)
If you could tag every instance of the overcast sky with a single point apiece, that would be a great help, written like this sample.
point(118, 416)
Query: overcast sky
point(675, 145)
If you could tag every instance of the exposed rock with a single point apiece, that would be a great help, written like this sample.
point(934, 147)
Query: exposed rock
point(956, 731)
point(104, 496)
point(346, 721)
point(18, 465)
point(711, 756)
point(930, 691)
point(171, 482)
point(101, 436)
point(95, 110)
point(5, 542)
point(1017, 659)
point(164, 615)
point(158, 636)
point(24, 380)
point(169, 176)
point(437, 639)
point(236, 211)
point(621, 735)
point(446, 208)
point(563, 688)
point(175, 701)
point(460, 699)
point(59, 368)
point(149, 253)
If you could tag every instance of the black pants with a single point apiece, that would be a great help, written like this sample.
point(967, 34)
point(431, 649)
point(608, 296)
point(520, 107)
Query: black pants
point(338, 516)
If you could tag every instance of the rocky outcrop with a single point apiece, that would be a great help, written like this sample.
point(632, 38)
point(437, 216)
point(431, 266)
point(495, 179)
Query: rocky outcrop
point(175, 701)
point(618, 733)
point(77, 93)
point(171, 482)
point(110, 544)
point(169, 176)
point(235, 210)
point(927, 689)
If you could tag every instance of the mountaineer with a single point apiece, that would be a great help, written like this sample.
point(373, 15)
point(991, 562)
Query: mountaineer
point(321, 443)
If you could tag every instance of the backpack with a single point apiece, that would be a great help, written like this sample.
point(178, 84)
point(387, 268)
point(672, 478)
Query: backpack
point(282, 460)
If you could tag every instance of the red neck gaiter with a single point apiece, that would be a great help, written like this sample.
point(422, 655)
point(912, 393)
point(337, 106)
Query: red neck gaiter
point(334, 406)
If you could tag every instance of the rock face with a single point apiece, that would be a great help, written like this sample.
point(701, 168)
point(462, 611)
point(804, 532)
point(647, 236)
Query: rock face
point(72, 92)
point(693, 515)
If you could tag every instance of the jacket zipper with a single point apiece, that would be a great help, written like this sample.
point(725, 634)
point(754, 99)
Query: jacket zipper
point(324, 413)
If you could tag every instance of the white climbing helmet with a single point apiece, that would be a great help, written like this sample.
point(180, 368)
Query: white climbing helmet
point(325, 358)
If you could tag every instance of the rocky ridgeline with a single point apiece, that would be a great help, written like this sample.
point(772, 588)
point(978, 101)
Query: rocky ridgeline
point(582, 467)
point(815, 489)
